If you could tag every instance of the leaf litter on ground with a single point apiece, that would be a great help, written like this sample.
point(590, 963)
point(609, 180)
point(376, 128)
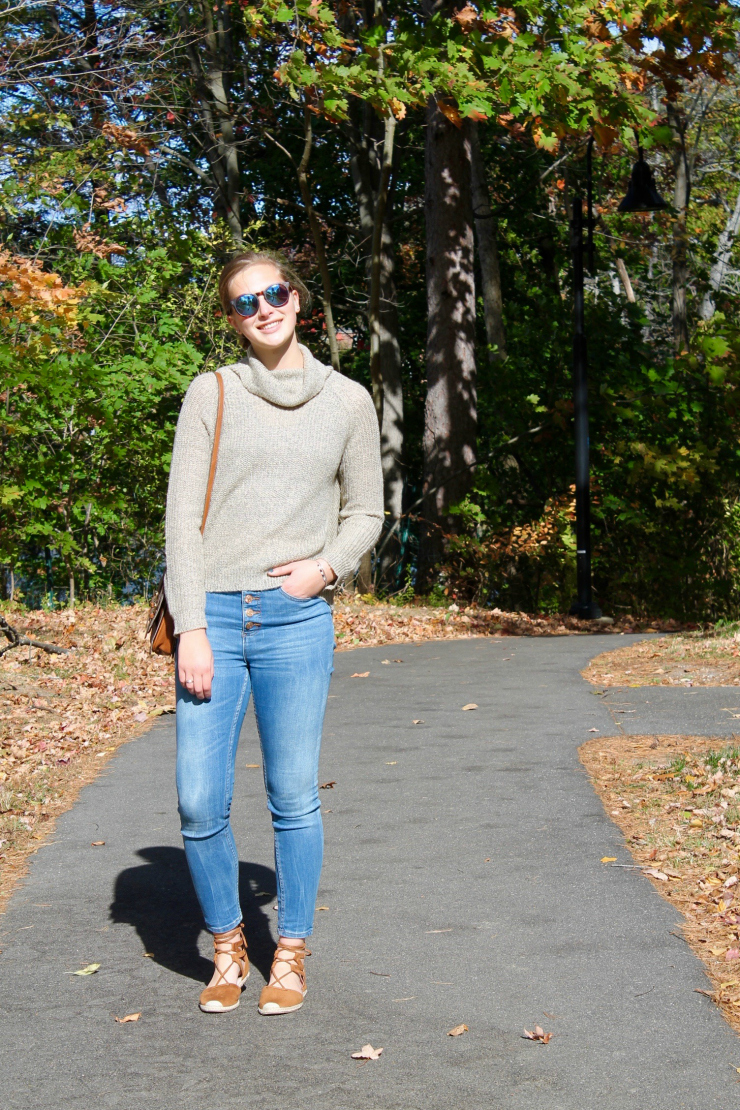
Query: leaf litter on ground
point(367, 1052)
point(457, 1031)
point(91, 969)
point(683, 830)
point(537, 1034)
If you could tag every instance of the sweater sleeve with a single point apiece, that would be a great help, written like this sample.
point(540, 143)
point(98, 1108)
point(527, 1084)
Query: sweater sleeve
point(361, 490)
point(186, 492)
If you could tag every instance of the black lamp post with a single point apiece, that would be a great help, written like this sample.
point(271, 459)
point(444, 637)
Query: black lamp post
point(642, 196)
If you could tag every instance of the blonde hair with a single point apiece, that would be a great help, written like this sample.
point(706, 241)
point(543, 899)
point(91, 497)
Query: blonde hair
point(247, 259)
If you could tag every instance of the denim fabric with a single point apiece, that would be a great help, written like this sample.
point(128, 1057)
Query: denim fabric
point(280, 648)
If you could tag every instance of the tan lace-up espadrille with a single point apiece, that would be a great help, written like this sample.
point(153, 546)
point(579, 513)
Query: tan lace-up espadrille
point(279, 999)
point(222, 995)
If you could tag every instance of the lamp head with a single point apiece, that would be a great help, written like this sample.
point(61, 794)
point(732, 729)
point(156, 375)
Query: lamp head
point(642, 196)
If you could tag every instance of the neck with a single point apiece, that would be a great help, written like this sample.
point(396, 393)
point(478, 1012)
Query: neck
point(287, 357)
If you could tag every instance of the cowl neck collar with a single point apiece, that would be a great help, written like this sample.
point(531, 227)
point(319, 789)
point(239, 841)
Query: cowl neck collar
point(287, 388)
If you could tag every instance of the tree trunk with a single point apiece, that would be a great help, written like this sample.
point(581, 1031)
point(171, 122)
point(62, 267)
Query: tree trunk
point(485, 235)
point(391, 429)
point(363, 133)
point(450, 414)
point(679, 248)
point(211, 76)
point(318, 240)
point(721, 262)
point(376, 263)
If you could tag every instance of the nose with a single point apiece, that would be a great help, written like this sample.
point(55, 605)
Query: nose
point(264, 308)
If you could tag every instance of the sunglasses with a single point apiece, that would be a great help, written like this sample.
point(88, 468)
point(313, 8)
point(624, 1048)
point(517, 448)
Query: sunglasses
point(248, 304)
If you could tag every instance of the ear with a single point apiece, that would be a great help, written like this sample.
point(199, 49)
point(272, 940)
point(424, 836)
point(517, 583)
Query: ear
point(296, 301)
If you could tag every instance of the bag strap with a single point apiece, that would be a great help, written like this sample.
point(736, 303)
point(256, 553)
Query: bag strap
point(214, 452)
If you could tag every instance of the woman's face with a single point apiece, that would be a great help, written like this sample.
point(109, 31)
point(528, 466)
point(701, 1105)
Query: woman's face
point(270, 328)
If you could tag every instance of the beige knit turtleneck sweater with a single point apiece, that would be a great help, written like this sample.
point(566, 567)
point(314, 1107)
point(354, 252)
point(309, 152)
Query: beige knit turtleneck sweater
point(298, 477)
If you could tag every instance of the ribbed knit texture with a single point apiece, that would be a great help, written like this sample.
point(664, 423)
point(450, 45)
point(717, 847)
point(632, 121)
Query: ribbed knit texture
point(298, 477)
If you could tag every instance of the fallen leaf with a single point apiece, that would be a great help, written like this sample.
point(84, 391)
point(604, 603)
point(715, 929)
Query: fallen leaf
point(732, 954)
point(381, 974)
point(97, 844)
point(252, 765)
point(398, 660)
point(457, 1031)
point(89, 970)
point(357, 674)
point(593, 730)
point(608, 859)
point(695, 823)
point(417, 722)
point(439, 931)
point(128, 1017)
point(148, 955)
point(367, 1052)
point(391, 762)
point(328, 785)
point(386, 661)
point(655, 874)
point(317, 908)
point(538, 1035)
point(140, 717)
point(470, 705)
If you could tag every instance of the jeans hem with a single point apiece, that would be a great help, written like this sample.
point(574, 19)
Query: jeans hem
point(295, 936)
point(225, 928)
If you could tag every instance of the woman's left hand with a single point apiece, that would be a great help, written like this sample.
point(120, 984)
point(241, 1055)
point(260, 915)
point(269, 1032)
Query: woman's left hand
point(304, 578)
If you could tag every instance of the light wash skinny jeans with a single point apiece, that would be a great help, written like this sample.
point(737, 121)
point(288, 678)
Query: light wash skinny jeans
point(280, 648)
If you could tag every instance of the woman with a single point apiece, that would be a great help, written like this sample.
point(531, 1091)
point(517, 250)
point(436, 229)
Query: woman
point(297, 499)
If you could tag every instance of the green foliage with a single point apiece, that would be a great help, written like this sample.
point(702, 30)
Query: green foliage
point(111, 191)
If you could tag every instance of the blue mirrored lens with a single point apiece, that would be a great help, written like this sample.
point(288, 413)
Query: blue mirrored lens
point(247, 304)
point(277, 295)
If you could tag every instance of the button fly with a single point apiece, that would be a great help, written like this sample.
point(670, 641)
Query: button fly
point(249, 624)
point(249, 612)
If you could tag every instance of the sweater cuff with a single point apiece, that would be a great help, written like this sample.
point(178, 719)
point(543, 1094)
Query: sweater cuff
point(188, 622)
point(340, 564)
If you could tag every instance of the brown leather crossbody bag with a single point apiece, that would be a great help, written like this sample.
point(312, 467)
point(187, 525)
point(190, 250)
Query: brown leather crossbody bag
point(161, 626)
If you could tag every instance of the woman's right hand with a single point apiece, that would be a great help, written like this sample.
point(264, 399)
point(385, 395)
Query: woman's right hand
point(195, 663)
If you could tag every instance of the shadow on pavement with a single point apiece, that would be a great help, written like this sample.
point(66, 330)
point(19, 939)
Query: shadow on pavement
point(159, 901)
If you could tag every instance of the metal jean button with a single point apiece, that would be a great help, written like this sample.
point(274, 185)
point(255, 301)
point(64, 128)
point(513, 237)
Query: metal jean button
point(249, 612)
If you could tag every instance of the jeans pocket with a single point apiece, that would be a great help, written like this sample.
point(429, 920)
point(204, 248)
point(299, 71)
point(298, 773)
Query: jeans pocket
point(299, 600)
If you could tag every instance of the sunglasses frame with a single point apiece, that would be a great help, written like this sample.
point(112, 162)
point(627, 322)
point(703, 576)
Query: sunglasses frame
point(248, 316)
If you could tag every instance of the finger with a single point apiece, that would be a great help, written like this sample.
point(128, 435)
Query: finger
point(286, 568)
point(198, 687)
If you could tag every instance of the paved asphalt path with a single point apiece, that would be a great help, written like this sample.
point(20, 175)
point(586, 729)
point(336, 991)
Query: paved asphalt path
point(462, 883)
